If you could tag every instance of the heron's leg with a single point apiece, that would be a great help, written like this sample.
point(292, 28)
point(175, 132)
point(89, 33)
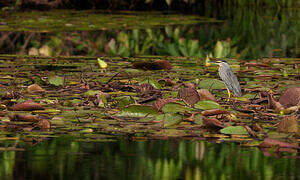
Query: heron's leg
point(229, 94)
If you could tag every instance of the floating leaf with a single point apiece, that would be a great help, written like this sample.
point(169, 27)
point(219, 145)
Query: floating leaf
point(56, 80)
point(102, 64)
point(207, 105)
point(188, 95)
point(211, 84)
point(234, 130)
point(291, 97)
point(124, 101)
point(175, 107)
point(169, 119)
point(137, 111)
point(34, 88)
point(206, 95)
point(91, 93)
point(27, 106)
point(152, 82)
point(288, 124)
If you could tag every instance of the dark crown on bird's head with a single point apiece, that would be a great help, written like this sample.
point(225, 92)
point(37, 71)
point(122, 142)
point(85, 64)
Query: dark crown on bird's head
point(221, 60)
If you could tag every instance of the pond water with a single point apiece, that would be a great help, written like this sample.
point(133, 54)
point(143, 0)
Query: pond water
point(67, 158)
point(75, 147)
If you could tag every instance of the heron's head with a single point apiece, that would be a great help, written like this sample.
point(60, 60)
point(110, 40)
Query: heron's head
point(219, 62)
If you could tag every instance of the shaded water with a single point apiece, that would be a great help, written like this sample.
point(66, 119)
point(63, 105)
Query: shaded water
point(67, 158)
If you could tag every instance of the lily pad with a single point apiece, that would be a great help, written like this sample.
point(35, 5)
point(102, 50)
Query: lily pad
point(211, 84)
point(56, 80)
point(175, 107)
point(137, 111)
point(234, 130)
point(204, 105)
point(169, 119)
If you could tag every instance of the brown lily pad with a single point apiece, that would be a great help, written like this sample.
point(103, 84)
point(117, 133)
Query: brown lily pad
point(212, 123)
point(34, 88)
point(24, 117)
point(188, 95)
point(212, 112)
point(204, 94)
point(288, 124)
point(291, 97)
point(44, 124)
point(155, 65)
point(27, 106)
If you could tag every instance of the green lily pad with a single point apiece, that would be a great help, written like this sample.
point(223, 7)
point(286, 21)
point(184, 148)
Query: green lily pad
point(91, 93)
point(175, 108)
point(56, 80)
point(137, 111)
point(234, 130)
point(211, 84)
point(204, 105)
point(169, 119)
point(124, 101)
point(153, 82)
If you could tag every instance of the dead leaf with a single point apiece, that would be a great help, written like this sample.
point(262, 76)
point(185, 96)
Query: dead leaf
point(188, 95)
point(288, 124)
point(156, 65)
point(44, 124)
point(3, 113)
point(159, 103)
point(212, 112)
point(212, 123)
point(291, 97)
point(34, 88)
point(272, 104)
point(24, 117)
point(27, 106)
point(204, 94)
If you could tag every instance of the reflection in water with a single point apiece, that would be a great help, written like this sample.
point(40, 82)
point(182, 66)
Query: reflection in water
point(66, 158)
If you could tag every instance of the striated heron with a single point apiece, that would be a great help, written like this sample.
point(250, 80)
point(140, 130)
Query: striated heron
point(230, 80)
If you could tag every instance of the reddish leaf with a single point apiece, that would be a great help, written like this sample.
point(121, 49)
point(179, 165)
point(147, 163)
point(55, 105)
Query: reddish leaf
point(188, 95)
point(23, 117)
point(206, 95)
point(212, 123)
point(158, 104)
point(288, 124)
point(27, 106)
point(291, 97)
point(212, 112)
point(44, 124)
point(156, 65)
point(34, 88)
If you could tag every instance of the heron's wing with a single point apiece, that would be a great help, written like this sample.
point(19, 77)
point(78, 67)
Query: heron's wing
point(230, 80)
